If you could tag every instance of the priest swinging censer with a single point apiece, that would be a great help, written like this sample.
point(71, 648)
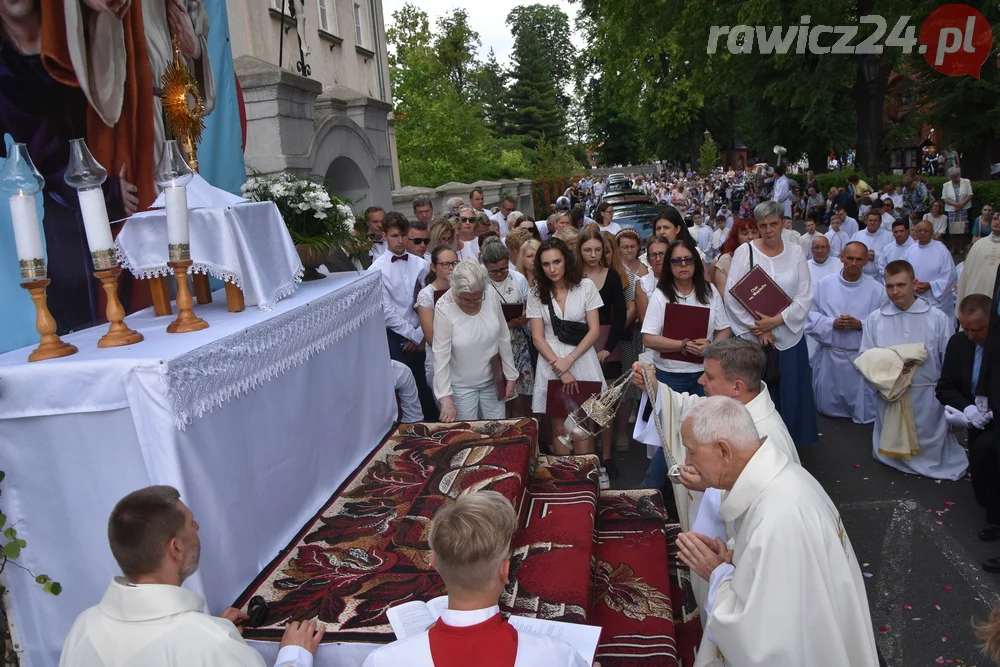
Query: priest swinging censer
point(598, 411)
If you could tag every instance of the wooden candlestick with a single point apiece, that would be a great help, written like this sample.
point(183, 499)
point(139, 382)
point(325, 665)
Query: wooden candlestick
point(186, 319)
point(51, 346)
point(119, 333)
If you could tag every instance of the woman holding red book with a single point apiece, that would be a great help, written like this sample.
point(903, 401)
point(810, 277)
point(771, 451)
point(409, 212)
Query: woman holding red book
point(787, 292)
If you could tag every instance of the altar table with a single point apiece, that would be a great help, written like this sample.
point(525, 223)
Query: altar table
point(256, 420)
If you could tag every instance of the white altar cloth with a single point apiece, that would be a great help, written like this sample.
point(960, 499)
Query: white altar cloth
point(247, 245)
point(78, 433)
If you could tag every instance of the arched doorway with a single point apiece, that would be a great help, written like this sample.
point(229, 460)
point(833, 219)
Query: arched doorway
point(346, 180)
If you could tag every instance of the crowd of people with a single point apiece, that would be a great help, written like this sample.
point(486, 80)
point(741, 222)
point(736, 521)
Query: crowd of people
point(493, 314)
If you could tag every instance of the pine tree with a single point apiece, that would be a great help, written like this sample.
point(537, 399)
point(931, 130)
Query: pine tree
point(533, 102)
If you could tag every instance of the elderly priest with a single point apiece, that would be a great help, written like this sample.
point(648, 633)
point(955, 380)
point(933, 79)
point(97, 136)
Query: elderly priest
point(787, 589)
point(840, 304)
point(911, 433)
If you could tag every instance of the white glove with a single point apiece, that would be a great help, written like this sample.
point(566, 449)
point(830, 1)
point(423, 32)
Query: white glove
point(955, 418)
point(982, 404)
point(976, 418)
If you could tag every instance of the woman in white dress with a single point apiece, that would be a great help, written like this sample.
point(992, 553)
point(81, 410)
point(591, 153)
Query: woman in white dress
point(938, 218)
point(443, 262)
point(562, 291)
point(469, 330)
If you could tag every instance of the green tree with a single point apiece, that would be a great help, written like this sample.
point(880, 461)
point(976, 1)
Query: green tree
point(490, 92)
point(533, 101)
point(456, 45)
point(544, 30)
point(708, 158)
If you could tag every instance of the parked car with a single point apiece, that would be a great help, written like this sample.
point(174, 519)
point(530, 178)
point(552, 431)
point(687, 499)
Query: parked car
point(638, 216)
point(617, 193)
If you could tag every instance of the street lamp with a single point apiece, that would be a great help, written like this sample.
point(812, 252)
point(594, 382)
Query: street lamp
point(869, 68)
point(708, 135)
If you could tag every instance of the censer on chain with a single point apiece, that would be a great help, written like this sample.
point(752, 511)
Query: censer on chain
point(598, 411)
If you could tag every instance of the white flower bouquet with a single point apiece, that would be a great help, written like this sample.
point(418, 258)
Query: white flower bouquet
point(313, 217)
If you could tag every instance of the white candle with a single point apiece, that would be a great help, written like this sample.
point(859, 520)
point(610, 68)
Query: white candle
point(177, 215)
point(95, 220)
point(27, 235)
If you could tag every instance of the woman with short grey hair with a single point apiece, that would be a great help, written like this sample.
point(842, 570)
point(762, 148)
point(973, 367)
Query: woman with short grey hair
point(469, 331)
point(956, 194)
point(789, 376)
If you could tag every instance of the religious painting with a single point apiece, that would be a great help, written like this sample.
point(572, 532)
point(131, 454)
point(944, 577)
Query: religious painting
point(92, 69)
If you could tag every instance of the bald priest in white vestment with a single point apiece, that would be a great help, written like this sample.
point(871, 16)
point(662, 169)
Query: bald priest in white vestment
point(840, 305)
point(905, 320)
point(787, 589)
point(146, 619)
point(820, 265)
point(470, 548)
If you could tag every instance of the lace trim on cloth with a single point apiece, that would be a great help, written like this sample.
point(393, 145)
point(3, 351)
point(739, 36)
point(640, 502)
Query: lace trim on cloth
point(204, 379)
point(223, 274)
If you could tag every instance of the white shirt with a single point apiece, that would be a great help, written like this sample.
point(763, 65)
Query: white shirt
point(876, 241)
point(533, 650)
point(718, 319)
point(791, 273)
point(378, 249)
point(891, 252)
point(648, 283)
point(401, 281)
point(406, 390)
point(940, 223)
point(819, 271)
point(612, 227)
point(850, 225)
point(158, 625)
point(464, 345)
point(887, 220)
point(703, 237)
point(805, 242)
point(470, 250)
point(513, 289)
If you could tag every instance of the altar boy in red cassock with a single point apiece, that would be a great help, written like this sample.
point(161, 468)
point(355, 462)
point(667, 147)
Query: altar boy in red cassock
point(470, 544)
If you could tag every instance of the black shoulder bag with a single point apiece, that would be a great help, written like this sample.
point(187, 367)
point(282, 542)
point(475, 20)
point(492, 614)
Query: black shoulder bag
point(568, 332)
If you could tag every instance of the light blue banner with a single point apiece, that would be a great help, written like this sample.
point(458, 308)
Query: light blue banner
point(220, 154)
point(18, 328)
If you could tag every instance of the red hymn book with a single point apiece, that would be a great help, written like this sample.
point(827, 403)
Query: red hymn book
point(758, 293)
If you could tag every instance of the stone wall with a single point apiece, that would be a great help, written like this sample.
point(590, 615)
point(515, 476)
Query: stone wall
point(520, 189)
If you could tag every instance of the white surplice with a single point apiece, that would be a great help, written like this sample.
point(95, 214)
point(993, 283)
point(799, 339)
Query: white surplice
point(932, 263)
point(837, 241)
point(980, 272)
point(839, 388)
point(941, 456)
point(891, 253)
point(533, 650)
point(794, 594)
point(157, 625)
point(817, 271)
point(876, 243)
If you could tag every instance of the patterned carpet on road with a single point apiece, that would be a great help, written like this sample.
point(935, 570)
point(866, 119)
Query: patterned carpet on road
point(580, 555)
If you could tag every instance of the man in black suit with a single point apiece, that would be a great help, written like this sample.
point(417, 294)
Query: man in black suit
point(961, 373)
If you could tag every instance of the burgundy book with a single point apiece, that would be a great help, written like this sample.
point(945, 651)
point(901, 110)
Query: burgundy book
point(438, 293)
point(681, 321)
point(496, 364)
point(512, 311)
point(559, 403)
point(757, 292)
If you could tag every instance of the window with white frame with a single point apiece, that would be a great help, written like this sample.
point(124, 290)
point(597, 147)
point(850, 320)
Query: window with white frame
point(327, 16)
point(360, 23)
point(276, 6)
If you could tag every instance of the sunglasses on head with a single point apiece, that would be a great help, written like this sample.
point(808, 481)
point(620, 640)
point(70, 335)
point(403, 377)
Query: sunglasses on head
point(420, 241)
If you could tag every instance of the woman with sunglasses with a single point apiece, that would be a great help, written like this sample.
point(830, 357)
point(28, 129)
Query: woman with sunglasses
point(465, 230)
point(443, 262)
point(562, 293)
point(441, 232)
point(603, 215)
point(512, 289)
point(683, 282)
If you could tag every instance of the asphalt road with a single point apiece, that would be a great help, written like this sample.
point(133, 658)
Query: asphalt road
point(915, 537)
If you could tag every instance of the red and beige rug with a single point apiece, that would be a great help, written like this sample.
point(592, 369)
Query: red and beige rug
point(580, 555)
